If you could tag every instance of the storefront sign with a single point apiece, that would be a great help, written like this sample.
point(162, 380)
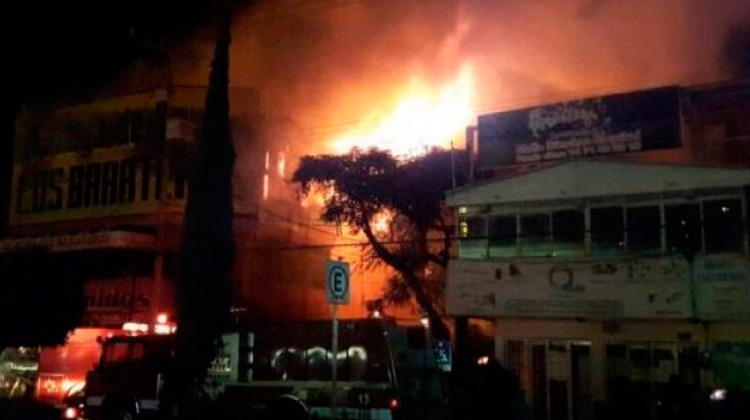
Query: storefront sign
point(604, 289)
point(723, 287)
point(80, 242)
point(655, 287)
point(112, 302)
point(611, 124)
point(104, 182)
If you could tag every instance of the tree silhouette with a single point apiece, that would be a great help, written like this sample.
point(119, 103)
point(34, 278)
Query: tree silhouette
point(363, 185)
point(207, 249)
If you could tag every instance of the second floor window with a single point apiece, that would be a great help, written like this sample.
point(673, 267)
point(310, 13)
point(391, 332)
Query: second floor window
point(722, 223)
point(502, 231)
point(569, 227)
point(644, 229)
point(535, 229)
point(683, 228)
point(472, 227)
point(607, 229)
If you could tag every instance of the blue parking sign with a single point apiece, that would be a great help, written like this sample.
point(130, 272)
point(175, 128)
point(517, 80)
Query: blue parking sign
point(337, 282)
point(443, 355)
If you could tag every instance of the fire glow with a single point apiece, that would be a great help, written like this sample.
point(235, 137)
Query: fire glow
point(423, 119)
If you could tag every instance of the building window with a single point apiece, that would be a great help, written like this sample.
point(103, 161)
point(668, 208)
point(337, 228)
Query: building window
point(472, 227)
point(535, 229)
point(683, 228)
point(502, 231)
point(607, 229)
point(568, 227)
point(722, 223)
point(515, 359)
point(644, 229)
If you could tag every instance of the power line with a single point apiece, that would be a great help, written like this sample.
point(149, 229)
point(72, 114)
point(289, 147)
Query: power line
point(336, 245)
point(355, 126)
point(295, 8)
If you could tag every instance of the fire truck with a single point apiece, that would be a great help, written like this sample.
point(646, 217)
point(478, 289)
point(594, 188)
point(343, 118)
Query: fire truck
point(385, 371)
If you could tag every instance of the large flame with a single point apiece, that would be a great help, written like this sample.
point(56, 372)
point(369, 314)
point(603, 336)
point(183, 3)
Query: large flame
point(424, 118)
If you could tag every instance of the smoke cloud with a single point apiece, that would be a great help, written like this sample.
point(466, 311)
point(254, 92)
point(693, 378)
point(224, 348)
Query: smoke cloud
point(321, 66)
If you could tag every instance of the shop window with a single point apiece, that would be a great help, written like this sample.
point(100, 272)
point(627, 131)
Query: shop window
point(535, 229)
point(607, 229)
point(644, 229)
point(502, 231)
point(722, 223)
point(683, 228)
point(539, 381)
point(472, 227)
point(515, 359)
point(568, 227)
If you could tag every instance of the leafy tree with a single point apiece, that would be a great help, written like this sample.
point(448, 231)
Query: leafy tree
point(362, 187)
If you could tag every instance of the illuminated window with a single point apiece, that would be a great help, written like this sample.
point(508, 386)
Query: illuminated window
point(472, 227)
point(722, 223)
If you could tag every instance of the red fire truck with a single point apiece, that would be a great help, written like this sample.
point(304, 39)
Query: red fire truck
point(62, 369)
point(385, 372)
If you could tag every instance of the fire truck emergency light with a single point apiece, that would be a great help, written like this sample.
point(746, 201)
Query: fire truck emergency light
point(135, 327)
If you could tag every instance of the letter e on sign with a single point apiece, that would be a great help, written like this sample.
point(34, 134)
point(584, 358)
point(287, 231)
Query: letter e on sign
point(337, 282)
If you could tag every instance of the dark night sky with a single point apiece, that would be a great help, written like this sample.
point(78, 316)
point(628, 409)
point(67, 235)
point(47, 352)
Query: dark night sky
point(51, 46)
point(329, 62)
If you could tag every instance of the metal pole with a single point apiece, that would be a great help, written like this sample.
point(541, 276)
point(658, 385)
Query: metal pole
point(693, 297)
point(453, 167)
point(334, 362)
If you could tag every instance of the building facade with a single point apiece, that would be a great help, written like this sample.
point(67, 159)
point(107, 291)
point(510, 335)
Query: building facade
point(607, 240)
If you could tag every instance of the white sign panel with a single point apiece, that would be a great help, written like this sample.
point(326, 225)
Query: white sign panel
point(337, 282)
point(631, 287)
point(635, 287)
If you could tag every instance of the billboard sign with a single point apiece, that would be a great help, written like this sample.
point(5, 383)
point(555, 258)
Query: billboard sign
point(631, 122)
point(106, 182)
point(612, 288)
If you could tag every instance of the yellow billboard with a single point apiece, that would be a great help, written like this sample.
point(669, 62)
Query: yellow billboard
point(107, 182)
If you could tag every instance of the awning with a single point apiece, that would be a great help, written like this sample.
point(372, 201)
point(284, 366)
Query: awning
point(82, 242)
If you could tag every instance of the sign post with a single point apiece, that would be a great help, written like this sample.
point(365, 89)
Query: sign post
point(337, 293)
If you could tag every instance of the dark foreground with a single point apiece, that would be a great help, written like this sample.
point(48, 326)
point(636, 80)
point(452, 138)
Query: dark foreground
point(18, 409)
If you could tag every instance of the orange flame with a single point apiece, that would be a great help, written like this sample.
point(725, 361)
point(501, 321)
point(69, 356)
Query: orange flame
point(423, 119)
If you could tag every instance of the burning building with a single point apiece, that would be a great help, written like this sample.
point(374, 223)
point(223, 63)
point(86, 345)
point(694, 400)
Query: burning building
point(607, 239)
point(99, 186)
